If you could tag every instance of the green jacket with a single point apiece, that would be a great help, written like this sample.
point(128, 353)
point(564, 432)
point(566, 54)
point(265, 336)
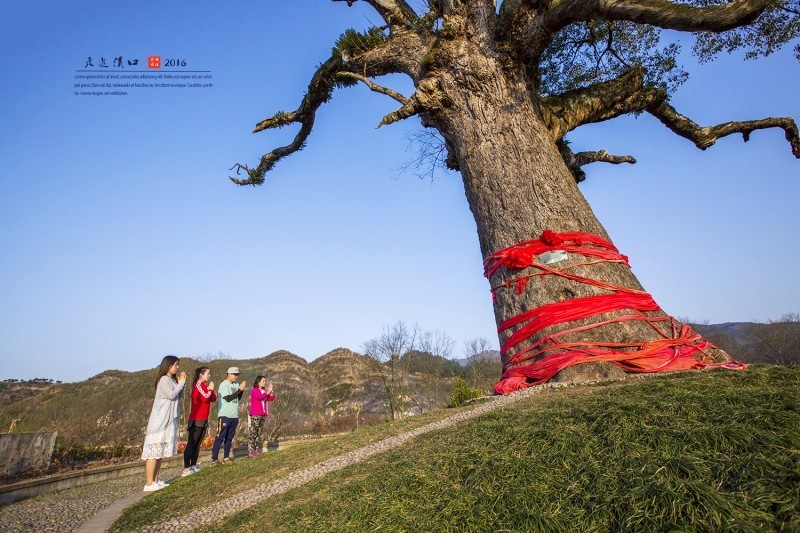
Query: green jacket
point(229, 396)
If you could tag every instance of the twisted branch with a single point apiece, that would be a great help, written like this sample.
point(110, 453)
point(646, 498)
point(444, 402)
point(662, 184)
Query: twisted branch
point(373, 86)
point(626, 94)
point(319, 91)
point(409, 108)
point(705, 136)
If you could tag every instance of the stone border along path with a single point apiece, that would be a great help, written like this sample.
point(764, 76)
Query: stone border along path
point(68, 509)
point(100, 522)
point(226, 508)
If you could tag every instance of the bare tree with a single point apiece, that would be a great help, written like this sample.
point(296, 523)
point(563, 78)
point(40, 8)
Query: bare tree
point(284, 413)
point(208, 357)
point(436, 347)
point(778, 341)
point(481, 363)
point(503, 87)
point(386, 352)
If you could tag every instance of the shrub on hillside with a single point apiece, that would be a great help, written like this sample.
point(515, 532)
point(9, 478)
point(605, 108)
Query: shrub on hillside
point(461, 393)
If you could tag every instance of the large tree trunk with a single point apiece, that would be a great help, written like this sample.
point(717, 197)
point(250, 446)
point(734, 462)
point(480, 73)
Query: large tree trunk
point(517, 186)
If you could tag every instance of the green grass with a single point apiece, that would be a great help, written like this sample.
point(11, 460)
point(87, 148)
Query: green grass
point(216, 482)
point(699, 451)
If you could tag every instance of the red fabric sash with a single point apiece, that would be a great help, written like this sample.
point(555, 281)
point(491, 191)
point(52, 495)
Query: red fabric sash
point(683, 350)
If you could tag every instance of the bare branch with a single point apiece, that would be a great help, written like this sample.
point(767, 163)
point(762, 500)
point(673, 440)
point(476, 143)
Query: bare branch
point(409, 109)
point(533, 28)
point(428, 97)
point(584, 158)
point(356, 57)
point(319, 92)
point(576, 161)
point(392, 11)
point(626, 94)
point(703, 137)
point(373, 86)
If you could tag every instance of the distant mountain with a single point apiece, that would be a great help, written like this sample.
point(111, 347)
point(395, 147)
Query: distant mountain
point(743, 340)
point(491, 355)
point(739, 332)
point(113, 406)
point(325, 395)
point(754, 342)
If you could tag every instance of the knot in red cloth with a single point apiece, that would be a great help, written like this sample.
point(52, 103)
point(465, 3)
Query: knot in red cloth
point(550, 238)
point(519, 257)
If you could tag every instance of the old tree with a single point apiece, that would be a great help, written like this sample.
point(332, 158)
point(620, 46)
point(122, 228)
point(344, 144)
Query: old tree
point(503, 84)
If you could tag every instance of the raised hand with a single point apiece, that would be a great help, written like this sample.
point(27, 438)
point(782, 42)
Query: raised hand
point(241, 385)
point(182, 376)
point(210, 385)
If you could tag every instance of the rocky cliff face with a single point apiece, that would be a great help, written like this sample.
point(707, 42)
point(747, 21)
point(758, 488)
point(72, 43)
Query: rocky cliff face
point(349, 382)
point(113, 406)
point(11, 392)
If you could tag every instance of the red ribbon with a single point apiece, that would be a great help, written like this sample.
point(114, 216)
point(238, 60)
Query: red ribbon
point(684, 350)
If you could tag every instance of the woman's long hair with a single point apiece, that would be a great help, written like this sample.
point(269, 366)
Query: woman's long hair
point(166, 363)
point(197, 373)
point(257, 381)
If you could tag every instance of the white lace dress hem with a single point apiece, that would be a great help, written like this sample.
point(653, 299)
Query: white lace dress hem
point(162, 443)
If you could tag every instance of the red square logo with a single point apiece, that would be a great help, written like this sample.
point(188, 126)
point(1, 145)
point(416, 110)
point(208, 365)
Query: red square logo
point(154, 62)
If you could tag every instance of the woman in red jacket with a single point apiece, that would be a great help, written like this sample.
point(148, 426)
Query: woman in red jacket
point(203, 396)
point(260, 397)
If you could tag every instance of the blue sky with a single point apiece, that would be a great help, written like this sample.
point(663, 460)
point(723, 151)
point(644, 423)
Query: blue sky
point(122, 240)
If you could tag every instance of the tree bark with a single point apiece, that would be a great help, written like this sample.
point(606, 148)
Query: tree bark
point(517, 186)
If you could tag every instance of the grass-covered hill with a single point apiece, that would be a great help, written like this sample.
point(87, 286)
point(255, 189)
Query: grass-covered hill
point(702, 451)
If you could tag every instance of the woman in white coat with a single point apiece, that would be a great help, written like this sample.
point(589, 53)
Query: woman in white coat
point(161, 439)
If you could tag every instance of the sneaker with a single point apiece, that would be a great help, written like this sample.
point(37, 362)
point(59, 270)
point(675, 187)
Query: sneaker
point(251, 454)
point(195, 468)
point(226, 460)
point(159, 482)
point(152, 488)
point(187, 472)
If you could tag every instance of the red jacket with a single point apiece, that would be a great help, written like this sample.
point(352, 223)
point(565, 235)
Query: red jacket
point(259, 402)
point(202, 398)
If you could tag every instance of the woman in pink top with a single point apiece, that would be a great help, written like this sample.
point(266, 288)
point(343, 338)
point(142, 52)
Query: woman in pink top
point(260, 397)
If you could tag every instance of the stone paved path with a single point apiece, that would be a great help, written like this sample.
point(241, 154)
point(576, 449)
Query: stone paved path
point(68, 509)
point(100, 522)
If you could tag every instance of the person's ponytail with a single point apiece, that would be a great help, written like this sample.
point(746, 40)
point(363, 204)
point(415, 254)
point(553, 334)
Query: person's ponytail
point(197, 373)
